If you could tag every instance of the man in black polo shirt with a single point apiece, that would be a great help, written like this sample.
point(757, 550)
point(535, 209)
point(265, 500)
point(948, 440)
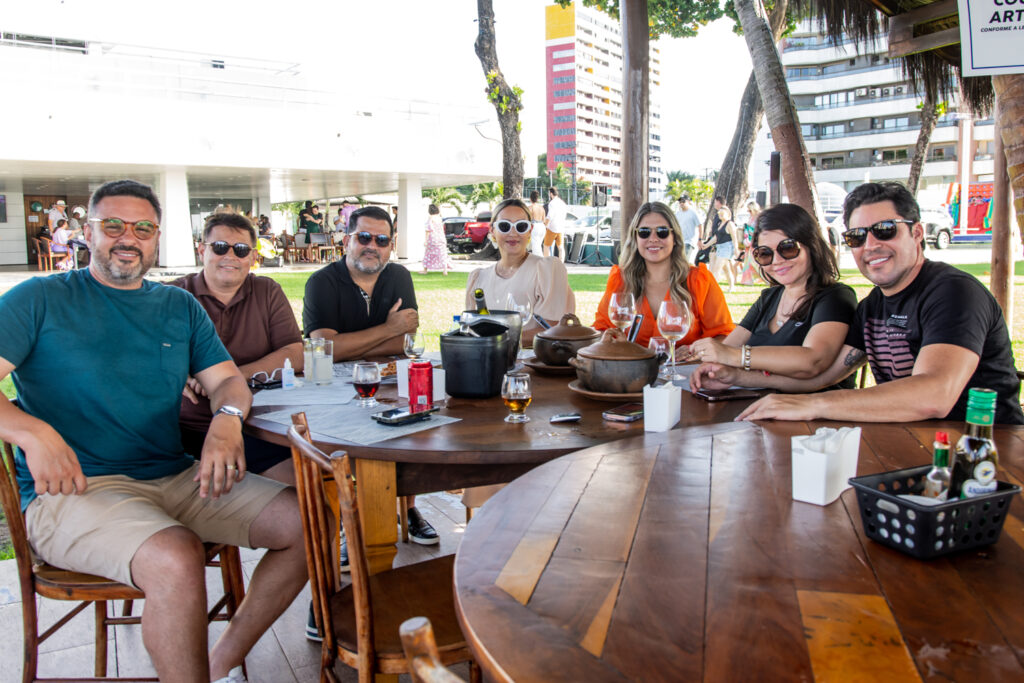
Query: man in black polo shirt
point(366, 305)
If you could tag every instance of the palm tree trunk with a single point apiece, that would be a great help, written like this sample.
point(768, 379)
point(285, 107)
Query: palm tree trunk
point(929, 114)
point(731, 183)
point(1010, 125)
point(782, 116)
point(506, 102)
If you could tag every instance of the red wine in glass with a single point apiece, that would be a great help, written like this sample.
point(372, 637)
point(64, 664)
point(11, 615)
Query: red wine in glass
point(367, 390)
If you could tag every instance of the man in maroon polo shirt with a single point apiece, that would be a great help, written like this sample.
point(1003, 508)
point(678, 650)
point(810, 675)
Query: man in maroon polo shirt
point(253, 318)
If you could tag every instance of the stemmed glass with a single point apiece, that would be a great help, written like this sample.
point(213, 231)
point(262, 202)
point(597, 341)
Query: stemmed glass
point(524, 308)
point(674, 321)
point(515, 391)
point(659, 345)
point(413, 345)
point(366, 380)
point(621, 308)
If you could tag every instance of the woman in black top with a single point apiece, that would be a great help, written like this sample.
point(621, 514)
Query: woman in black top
point(798, 325)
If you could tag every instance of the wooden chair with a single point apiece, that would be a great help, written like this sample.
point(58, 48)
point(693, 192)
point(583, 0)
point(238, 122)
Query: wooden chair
point(289, 251)
point(359, 622)
point(54, 258)
point(421, 651)
point(321, 249)
point(36, 577)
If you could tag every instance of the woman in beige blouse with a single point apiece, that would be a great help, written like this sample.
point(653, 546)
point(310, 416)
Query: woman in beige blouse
point(542, 280)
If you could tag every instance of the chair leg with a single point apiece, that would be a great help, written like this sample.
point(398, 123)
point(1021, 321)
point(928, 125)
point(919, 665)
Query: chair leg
point(101, 638)
point(126, 609)
point(403, 516)
point(474, 672)
point(30, 645)
point(469, 514)
point(231, 577)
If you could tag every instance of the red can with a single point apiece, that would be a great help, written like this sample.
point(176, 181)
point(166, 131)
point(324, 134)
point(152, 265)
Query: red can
point(421, 385)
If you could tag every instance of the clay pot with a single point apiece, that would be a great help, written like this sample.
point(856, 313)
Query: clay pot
point(615, 366)
point(557, 345)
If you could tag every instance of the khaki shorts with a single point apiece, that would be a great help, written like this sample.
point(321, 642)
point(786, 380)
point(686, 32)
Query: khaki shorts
point(100, 531)
point(550, 237)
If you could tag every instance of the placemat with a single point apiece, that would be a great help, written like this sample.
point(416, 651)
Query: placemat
point(336, 393)
point(353, 423)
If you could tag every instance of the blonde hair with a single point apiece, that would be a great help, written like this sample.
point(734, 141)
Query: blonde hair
point(634, 267)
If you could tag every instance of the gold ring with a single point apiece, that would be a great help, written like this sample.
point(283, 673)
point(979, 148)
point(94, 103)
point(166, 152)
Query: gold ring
point(230, 467)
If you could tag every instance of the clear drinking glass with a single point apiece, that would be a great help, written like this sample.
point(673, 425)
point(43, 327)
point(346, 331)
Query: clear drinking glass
point(674, 321)
point(621, 309)
point(323, 361)
point(515, 391)
point(413, 345)
point(523, 308)
point(660, 346)
point(366, 380)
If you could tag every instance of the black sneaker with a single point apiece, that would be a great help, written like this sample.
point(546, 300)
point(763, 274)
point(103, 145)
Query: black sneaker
point(343, 555)
point(420, 530)
point(312, 632)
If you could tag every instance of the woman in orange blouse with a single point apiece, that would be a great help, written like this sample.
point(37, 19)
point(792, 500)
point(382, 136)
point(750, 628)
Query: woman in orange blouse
point(654, 268)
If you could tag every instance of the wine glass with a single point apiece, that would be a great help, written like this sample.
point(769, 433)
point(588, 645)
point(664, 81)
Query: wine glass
point(413, 345)
point(673, 322)
point(524, 309)
point(621, 308)
point(659, 345)
point(515, 391)
point(366, 380)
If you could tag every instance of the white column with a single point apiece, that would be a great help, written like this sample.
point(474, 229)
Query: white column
point(965, 163)
point(411, 218)
point(176, 248)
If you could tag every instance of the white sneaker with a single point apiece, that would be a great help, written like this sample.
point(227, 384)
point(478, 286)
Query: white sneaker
point(234, 676)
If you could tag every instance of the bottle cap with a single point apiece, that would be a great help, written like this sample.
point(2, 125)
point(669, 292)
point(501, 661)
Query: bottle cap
point(942, 437)
point(287, 363)
point(984, 399)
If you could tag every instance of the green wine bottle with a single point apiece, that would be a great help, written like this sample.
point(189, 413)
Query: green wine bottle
point(975, 459)
point(481, 302)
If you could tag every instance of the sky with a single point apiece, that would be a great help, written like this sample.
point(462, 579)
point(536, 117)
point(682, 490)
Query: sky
point(411, 49)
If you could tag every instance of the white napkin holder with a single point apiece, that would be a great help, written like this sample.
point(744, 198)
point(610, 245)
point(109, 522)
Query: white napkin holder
point(402, 370)
point(661, 407)
point(823, 463)
point(438, 384)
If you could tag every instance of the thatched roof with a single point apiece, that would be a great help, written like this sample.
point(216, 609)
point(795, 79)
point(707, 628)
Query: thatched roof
point(936, 71)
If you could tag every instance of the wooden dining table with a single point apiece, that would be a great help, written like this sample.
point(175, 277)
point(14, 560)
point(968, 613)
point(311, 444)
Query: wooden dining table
point(681, 556)
point(480, 449)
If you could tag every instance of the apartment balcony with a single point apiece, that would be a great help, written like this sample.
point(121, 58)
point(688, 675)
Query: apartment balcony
point(863, 77)
point(878, 107)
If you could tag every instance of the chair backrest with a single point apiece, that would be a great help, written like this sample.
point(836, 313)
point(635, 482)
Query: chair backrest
point(318, 239)
point(421, 652)
point(10, 497)
point(310, 466)
point(300, 239)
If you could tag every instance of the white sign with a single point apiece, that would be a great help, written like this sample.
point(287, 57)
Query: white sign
point(991, 37)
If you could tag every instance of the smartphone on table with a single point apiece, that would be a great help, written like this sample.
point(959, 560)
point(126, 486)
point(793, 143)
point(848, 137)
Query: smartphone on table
point(404, 415)
point(630, 412)
point(714, 395)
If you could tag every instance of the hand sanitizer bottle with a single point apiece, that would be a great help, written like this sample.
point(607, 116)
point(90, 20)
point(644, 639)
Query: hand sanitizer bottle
point(287, 375)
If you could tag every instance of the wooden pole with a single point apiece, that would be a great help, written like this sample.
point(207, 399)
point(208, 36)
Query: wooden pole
point(635, 106)
point(1002, 236)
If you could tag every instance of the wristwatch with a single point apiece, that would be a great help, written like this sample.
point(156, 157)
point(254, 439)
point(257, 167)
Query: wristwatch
point(231, 410)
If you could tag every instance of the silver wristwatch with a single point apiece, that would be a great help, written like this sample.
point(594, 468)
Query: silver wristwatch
point(231, 410)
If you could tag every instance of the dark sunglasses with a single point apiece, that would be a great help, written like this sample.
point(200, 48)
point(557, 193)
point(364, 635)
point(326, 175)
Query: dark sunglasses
point(663, 231)
point(522, 227)
point(788, 249)
point(115, 227)
point(220, 247)
point(882, 230)
point(367, 237)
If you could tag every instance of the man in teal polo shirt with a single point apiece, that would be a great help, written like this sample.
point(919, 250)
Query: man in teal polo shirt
point(106, 486)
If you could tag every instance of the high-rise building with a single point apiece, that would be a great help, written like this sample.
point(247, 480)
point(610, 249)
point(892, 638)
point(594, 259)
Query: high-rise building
point(860, 119)
point(584, 98)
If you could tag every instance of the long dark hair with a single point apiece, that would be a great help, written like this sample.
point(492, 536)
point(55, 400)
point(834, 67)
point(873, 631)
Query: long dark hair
point(794, 222)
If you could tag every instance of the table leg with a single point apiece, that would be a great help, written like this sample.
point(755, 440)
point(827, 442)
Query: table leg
point(375, 494)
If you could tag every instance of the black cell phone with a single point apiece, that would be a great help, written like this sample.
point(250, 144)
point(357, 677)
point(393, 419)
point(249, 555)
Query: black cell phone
point(727, 394)
point(630, 412)
point(403, 415)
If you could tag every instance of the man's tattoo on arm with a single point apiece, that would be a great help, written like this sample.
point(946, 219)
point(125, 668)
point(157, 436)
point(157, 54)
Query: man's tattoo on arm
point(854, 358)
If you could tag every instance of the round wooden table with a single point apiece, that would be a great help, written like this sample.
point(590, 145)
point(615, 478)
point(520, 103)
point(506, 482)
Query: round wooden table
point(478, 450)
point(682, 556)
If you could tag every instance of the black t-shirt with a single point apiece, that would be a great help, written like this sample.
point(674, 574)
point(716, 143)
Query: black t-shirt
point(942, 305)
point(333, 301)
point(836, 303)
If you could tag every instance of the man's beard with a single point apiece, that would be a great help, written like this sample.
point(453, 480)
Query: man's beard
point(367, 269)
point(115, 272)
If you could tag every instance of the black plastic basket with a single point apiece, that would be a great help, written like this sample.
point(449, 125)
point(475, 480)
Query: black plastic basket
point(927, 531)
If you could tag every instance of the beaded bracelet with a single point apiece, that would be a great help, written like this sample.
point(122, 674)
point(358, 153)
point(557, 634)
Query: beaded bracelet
point(746, 356)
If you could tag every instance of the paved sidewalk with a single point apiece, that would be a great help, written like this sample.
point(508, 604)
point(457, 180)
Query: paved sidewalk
point(283, 655)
